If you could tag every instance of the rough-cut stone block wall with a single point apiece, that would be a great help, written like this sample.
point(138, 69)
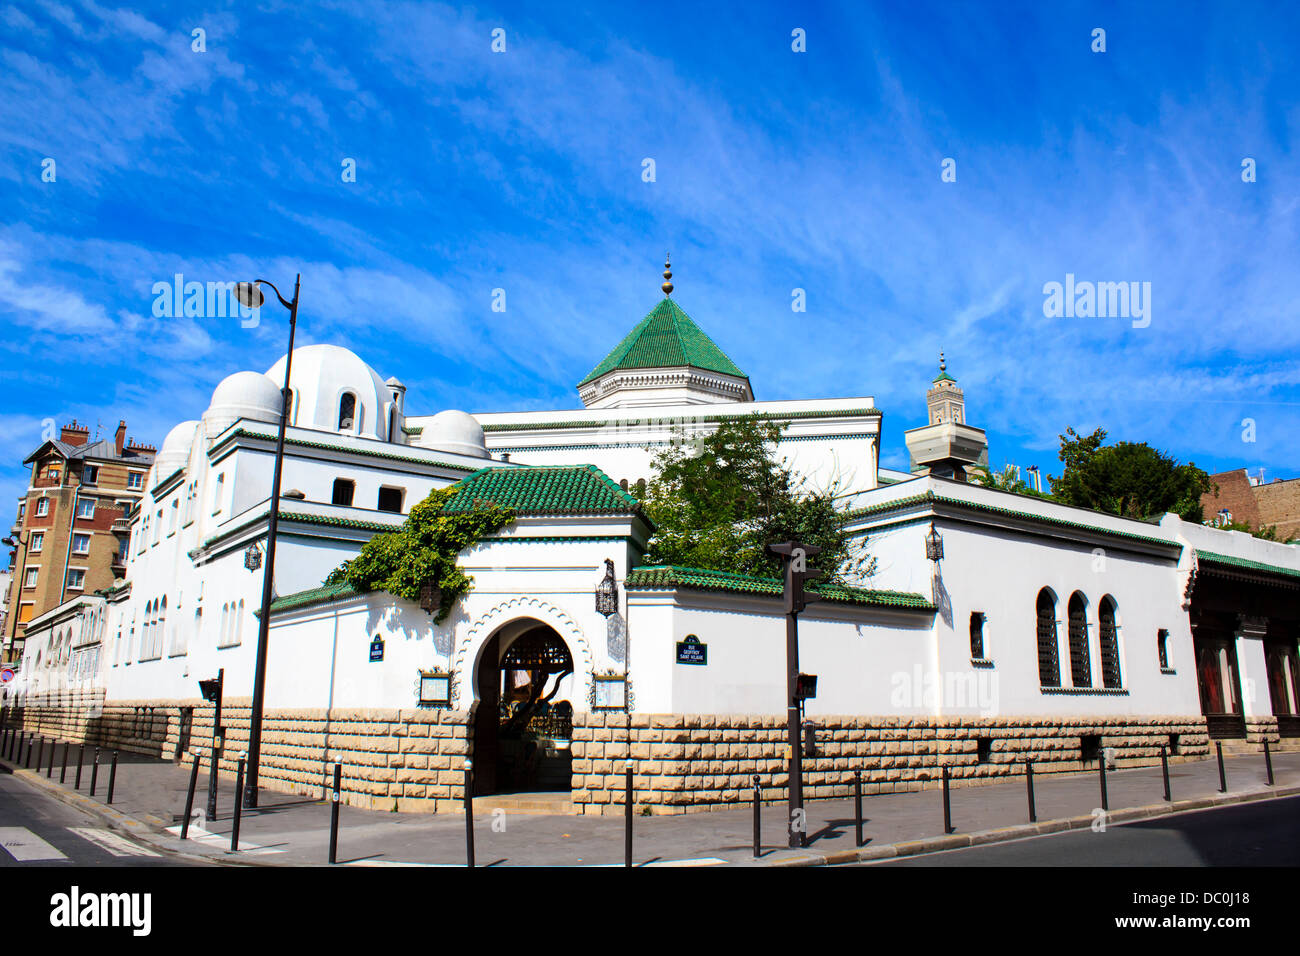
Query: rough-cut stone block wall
point(407, 760)
point(1259, 729)
point(683, 763)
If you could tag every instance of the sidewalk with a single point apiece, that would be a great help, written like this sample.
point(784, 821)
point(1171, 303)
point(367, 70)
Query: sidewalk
point(149, 799)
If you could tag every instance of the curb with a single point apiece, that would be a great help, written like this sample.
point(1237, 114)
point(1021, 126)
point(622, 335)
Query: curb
point(113, 819)
point(958, 841)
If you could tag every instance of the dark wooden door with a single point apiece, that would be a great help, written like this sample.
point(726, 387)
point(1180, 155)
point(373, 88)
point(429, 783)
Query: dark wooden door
point(1216, 666)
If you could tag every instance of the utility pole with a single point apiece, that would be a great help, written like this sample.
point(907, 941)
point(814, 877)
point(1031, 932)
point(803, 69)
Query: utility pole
point(795, 555)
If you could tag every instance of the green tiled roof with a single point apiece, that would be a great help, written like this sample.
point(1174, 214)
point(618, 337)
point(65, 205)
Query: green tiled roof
point(666, 338)
point(703, 418)
point(930, 497)
point(572, 489)
point(943, 377)
point(326, 592)
point(672, 576)
point(1246, 563)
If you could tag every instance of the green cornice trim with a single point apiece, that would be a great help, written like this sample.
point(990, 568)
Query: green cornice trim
point(215, 452)
point(322, 520)
point(666, 577)
point(674, 419)
point(166, 484)
point(1246, 564)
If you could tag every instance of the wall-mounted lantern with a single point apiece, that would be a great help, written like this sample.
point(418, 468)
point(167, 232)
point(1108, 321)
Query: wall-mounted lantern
point(253, 557)
point(933, 545)
point(430, 596)
point(607, 592)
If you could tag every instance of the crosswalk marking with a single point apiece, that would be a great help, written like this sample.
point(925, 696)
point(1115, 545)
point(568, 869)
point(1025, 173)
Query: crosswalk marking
point(112, 842)
point(200, 835)
point(22, 844)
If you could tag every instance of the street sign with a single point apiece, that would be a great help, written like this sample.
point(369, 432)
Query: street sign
point(377, 649)
point(6, 675)
point(691, 651)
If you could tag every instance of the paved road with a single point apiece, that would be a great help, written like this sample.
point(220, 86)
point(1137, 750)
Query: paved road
point(37, 830)
point(1266, 833)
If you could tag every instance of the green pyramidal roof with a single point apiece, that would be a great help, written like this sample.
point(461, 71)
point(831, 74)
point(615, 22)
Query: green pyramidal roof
point(566, 489)
point(666, 338)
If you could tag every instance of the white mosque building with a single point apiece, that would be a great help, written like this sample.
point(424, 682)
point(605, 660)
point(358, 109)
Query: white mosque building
point(1041, 632)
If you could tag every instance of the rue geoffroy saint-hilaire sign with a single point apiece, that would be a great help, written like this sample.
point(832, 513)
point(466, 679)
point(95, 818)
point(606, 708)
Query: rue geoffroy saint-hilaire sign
point(691, 651)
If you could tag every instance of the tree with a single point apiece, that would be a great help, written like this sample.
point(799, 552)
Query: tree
point(717, 500)
point(424, 548)
point(1008, 479)
point(1131, 479)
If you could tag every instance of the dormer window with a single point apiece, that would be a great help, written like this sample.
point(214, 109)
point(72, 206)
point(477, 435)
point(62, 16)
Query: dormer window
point(347, 411)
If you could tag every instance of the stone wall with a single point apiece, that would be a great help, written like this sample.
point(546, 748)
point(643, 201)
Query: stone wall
point(684, 763)
point(407, 760)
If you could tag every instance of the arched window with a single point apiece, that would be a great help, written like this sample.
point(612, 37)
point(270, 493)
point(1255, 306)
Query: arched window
point(1080, 664)
point(1162, 648)
point(225, 625)
point(1109, 640)
point(1049, 669)
point(977, 636)
point(347, 411)
point(162, 630)
point(239, 622)
point(343, 489)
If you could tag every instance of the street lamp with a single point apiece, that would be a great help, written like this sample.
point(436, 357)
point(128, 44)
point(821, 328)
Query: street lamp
point(933, 545)
point(14, 542)
point(607, 592)
point(250, 295)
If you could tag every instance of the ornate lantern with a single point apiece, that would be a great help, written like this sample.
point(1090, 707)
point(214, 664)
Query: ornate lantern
point(430, 595)
point(607, 592)
point(253, 557)
point(933, 545)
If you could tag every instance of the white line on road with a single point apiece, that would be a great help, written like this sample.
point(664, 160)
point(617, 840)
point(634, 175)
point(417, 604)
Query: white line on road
point(200, 835)
point(112, 842)
point(23, 844)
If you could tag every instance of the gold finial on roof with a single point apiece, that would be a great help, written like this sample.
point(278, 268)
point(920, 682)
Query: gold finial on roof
point(668, 277)
point(943, 367)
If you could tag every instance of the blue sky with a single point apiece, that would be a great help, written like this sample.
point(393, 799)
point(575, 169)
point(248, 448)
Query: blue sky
point(775, 170)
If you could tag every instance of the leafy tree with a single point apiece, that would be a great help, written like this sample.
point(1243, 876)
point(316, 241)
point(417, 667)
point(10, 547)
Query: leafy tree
point(1264, 532)
point(1128, 478)
point(1008, 479)
point(424, 548)
point(717, 500)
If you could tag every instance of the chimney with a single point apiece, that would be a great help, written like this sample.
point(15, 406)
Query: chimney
point(74, 434)
point(119, 440)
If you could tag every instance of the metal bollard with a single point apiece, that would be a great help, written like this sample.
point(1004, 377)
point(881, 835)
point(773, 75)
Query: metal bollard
point(627, 816)
point(1101, 764)
point(212, 787)
point(334, 811)
point(189, 796)
point(1268, 762)
point(857, 807)
point(239, 803)
point(63, 770)
point(1223, 774)
point(94, 772)
point(947, 807)
point(758, 822)
point(40, 751)
point(112, 777)
point(1164, 767)
point(49, 771)
point(469, 812)
point(81, 756)
point(1029, 786)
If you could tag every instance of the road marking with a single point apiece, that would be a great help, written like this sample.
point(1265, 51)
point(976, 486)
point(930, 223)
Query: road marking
point(23, 844)
point(395, 863)
point(112, 842)
point(200, 835)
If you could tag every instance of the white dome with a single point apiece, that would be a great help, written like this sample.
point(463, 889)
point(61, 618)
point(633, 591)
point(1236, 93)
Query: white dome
point(322, 378)
point(175, 450)
point(242, 395)
point(456, 432)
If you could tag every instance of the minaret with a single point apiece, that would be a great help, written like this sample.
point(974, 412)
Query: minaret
point(945, 400)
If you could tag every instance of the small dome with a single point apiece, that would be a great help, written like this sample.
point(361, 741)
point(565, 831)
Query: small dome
point(175, 450)
point(243, 395)
point(455, 432)
point(334, 390)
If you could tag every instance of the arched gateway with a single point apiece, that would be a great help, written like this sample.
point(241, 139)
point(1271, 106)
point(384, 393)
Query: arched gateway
point(523, 710)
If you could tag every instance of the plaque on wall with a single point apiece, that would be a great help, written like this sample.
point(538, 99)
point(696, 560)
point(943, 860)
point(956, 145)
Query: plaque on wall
point(691, 651)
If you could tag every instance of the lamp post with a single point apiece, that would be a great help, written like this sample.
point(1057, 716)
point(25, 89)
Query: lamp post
point(251, 296)
point(14, 542)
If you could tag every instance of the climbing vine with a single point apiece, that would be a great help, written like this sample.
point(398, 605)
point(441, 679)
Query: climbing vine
point(424, 548)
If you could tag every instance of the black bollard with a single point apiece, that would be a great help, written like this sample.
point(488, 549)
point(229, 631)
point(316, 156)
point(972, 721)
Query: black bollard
point(947, 807)
point(1029, 786)
point(49, 771)
point(1164, 766)
point(63, 770)
point(1101, 765)
point(758, 823)
point(189, 796)
point(1268, 762)
point(857, 807)
point(1223, 774)
point(112, 777)
point(627, 816)
point(94, 772)
point(239, 804)
point(81, 756)
point(40, 751)
point(212, 787)
point(334, 811)
point(469, 812)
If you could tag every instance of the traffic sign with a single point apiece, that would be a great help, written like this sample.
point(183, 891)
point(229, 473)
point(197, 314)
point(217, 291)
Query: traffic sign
point(6, 675)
